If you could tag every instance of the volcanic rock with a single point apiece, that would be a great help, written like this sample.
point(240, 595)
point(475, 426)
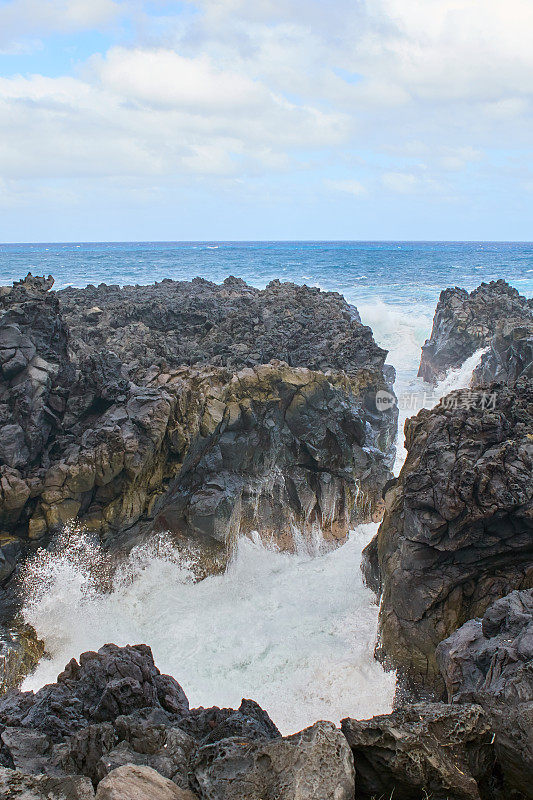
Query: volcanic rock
point(423, 750)
point(466, 322)
point(490, 661)
point(457, 531)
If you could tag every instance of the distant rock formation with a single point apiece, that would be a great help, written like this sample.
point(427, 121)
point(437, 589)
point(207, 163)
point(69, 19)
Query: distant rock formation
point(466, 322)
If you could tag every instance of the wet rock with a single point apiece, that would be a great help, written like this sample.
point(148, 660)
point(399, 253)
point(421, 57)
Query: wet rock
point(139, 783)
point(15, 785)
point(490, 661)
point(423, 750)
point(465, 322)
point(457, 532)
point(509, 357)
point(20, 651)
point(315, 764)
point(248, 722)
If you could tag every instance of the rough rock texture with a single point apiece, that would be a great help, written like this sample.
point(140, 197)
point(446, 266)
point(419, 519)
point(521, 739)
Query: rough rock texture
point(139, 783)
point(490, 661)
point(114, 719)
point(20, 650)
point(224, 445)
point(423, 750)
point(315, 764)
point(457, 531)
point(465, 322)
point(15, 785)
point(232, 325)
point(509, 357)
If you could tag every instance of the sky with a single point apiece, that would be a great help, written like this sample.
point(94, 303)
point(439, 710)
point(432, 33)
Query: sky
point(266, 119)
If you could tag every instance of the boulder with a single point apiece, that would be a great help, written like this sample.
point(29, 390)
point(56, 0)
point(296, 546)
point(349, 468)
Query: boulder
point(423, 750)
point(132, 782)
point(457, 531)
point(315, 764)
point(465, 322)
point(490, 661)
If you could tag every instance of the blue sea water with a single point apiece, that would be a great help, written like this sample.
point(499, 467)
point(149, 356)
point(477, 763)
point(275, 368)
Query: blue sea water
point(401, 273)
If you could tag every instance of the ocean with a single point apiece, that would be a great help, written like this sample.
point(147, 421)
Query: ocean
point(294, 632)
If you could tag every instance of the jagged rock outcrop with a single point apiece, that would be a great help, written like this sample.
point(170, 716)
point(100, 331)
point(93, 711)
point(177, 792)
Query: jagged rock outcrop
point(176, 323)
point(203, 450)
point(423, 750)
point(114, 719)
point(465, 322)
point(490, 661)
point(457, 531)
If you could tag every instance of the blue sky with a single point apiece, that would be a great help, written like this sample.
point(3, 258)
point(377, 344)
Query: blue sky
point(265, 119)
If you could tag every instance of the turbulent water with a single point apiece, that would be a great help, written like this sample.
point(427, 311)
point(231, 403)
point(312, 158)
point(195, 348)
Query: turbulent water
point(294, 632)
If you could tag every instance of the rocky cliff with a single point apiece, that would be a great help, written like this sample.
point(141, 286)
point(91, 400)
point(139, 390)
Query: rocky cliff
point(458, 528)
point(153, 408)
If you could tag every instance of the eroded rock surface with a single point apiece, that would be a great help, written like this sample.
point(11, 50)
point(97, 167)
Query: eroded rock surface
point(490, 661)
point(457, 531)
point(423, 750)
point(315, 764)
point(465, 322)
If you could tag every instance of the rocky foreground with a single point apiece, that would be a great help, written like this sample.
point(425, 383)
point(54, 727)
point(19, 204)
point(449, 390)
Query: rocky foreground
point(114, 728)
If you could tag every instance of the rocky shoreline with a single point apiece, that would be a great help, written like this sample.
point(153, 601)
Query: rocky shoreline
point(213, 411)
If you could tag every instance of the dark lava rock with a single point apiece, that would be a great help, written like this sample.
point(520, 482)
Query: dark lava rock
point(113, 682)
point(465, 322)
point(509, 357)
point(457, 531)
point(423, 750)
point(490, 661)
point(113, 709)
point(176, 323)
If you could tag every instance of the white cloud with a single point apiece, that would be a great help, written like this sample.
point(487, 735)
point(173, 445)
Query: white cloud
point(347, 187)
point(25, 17)
point(245, 88)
